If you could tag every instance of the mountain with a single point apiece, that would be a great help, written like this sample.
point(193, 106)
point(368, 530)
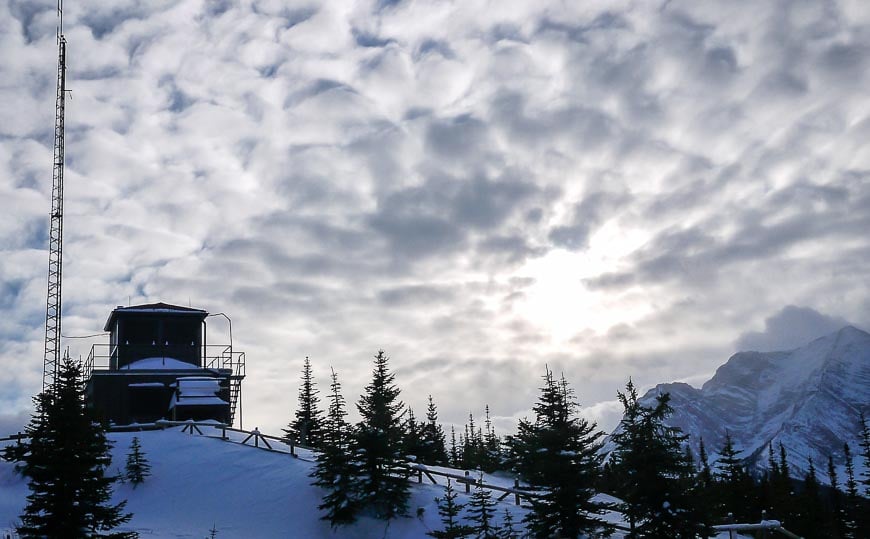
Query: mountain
point(808, 399)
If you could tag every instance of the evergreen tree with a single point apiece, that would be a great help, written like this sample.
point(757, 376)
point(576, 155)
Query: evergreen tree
point(307, 426)
point(334, 470)
point(811, 520)
point(839, 517)
point(735, 486)
point(865, 454)
point(852, 502)
point(378, 445)
point(491, 446)
point(449, 510)
point(65, 460)
point(658, 502)
point(507, 527)
point(455, 454)
point(137, 468)
point(412, 442)
point(785, 509)
point(482, 512)
point(433, 440)
point(558, 456)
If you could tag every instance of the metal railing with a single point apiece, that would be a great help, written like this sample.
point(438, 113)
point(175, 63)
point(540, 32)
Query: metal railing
point(212, 356)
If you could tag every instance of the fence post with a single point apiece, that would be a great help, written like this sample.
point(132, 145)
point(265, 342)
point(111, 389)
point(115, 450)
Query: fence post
point(419, 475)
point(292, 446)
point(517, 491)
point(730, 521)
point(467, 483)
point(763, 518)
point(256, 433)
point(18, 441)
point(223, 432)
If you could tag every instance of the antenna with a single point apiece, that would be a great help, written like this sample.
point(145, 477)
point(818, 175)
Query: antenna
point(55, 240)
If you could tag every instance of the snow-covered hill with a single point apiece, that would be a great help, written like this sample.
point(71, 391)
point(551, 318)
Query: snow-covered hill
point(199, 482)
point(809, 399)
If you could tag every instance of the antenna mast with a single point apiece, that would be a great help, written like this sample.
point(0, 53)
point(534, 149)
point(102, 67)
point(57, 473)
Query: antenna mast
point(55, 242)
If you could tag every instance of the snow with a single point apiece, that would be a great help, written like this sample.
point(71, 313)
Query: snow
point(159, 363)
point(200, 481)
point(147, 384)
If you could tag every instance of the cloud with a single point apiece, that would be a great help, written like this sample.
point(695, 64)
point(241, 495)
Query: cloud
point(400, 175)
point(790, 328)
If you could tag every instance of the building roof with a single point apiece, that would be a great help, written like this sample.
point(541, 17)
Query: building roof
point(154, 308)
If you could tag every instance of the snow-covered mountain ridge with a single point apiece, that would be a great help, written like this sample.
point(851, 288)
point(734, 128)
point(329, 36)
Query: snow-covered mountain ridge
point(809, 399)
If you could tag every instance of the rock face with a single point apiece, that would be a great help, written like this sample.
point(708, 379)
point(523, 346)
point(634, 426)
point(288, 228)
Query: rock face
point(809, 399)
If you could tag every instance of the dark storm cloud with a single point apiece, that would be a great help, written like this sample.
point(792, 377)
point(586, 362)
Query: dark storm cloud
point(439, 215)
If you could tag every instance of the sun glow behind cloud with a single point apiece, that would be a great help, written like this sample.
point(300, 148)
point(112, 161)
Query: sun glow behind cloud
point(559, 302)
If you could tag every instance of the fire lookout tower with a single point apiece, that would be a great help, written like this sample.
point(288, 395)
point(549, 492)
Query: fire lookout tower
point(158, 365)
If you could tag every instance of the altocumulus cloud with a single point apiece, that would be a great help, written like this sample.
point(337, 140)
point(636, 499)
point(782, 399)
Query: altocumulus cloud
point(448, 181)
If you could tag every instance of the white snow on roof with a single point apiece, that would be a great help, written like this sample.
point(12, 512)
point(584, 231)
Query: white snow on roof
point(159, 363)
point(147, 384)
point(196, 401)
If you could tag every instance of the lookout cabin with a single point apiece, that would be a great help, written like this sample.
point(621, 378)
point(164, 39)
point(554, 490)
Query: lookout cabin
point(158, 364)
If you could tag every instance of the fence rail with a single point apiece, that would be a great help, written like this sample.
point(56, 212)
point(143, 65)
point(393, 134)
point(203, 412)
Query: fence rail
point(257, 439)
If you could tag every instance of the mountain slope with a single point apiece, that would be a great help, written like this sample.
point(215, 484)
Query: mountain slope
point(808, 399)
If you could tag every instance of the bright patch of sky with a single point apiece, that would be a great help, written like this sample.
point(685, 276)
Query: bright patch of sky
point(611, 189)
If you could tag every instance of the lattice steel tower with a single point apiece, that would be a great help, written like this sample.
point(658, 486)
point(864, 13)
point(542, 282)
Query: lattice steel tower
point(55, 241)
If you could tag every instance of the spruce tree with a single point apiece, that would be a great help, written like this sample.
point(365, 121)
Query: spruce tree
point(735, 487)
point(65, 461)
point(455, 454)
point(449, 510)
point(865, 454)
point(378, 445)
point(557, 455)
point(811, 519)
point(839, 517)
point(507, 527)
point(137, 468)
point(853, 501)
point(651, 463)
point(334, 471)
point(433, 439)
point(307, 426)
point(481, 511)
point(492, 446)
point(412, 442)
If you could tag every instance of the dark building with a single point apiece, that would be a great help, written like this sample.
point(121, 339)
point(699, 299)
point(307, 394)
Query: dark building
point(159, 365)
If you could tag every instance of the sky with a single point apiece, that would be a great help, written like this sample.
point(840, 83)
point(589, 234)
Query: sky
point(483, 189)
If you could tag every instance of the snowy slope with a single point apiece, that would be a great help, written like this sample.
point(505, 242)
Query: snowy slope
point(809, 399)
point(198, 482)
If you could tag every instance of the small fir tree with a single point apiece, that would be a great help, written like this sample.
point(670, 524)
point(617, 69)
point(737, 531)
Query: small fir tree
point(65, 460)
point(137, 468)
point(307, 426)
point(557, 455)
point(433, 440)
point(412, 442)
point(839, 516)
point(865, 453)
point(853, 501)
point(334, 471)
point(481, 511)
point(651, 465)
point(735, 487)
point(378, 445)
point(455, 453)
point(449, 510)
point(508, 531)
point(811, 518)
